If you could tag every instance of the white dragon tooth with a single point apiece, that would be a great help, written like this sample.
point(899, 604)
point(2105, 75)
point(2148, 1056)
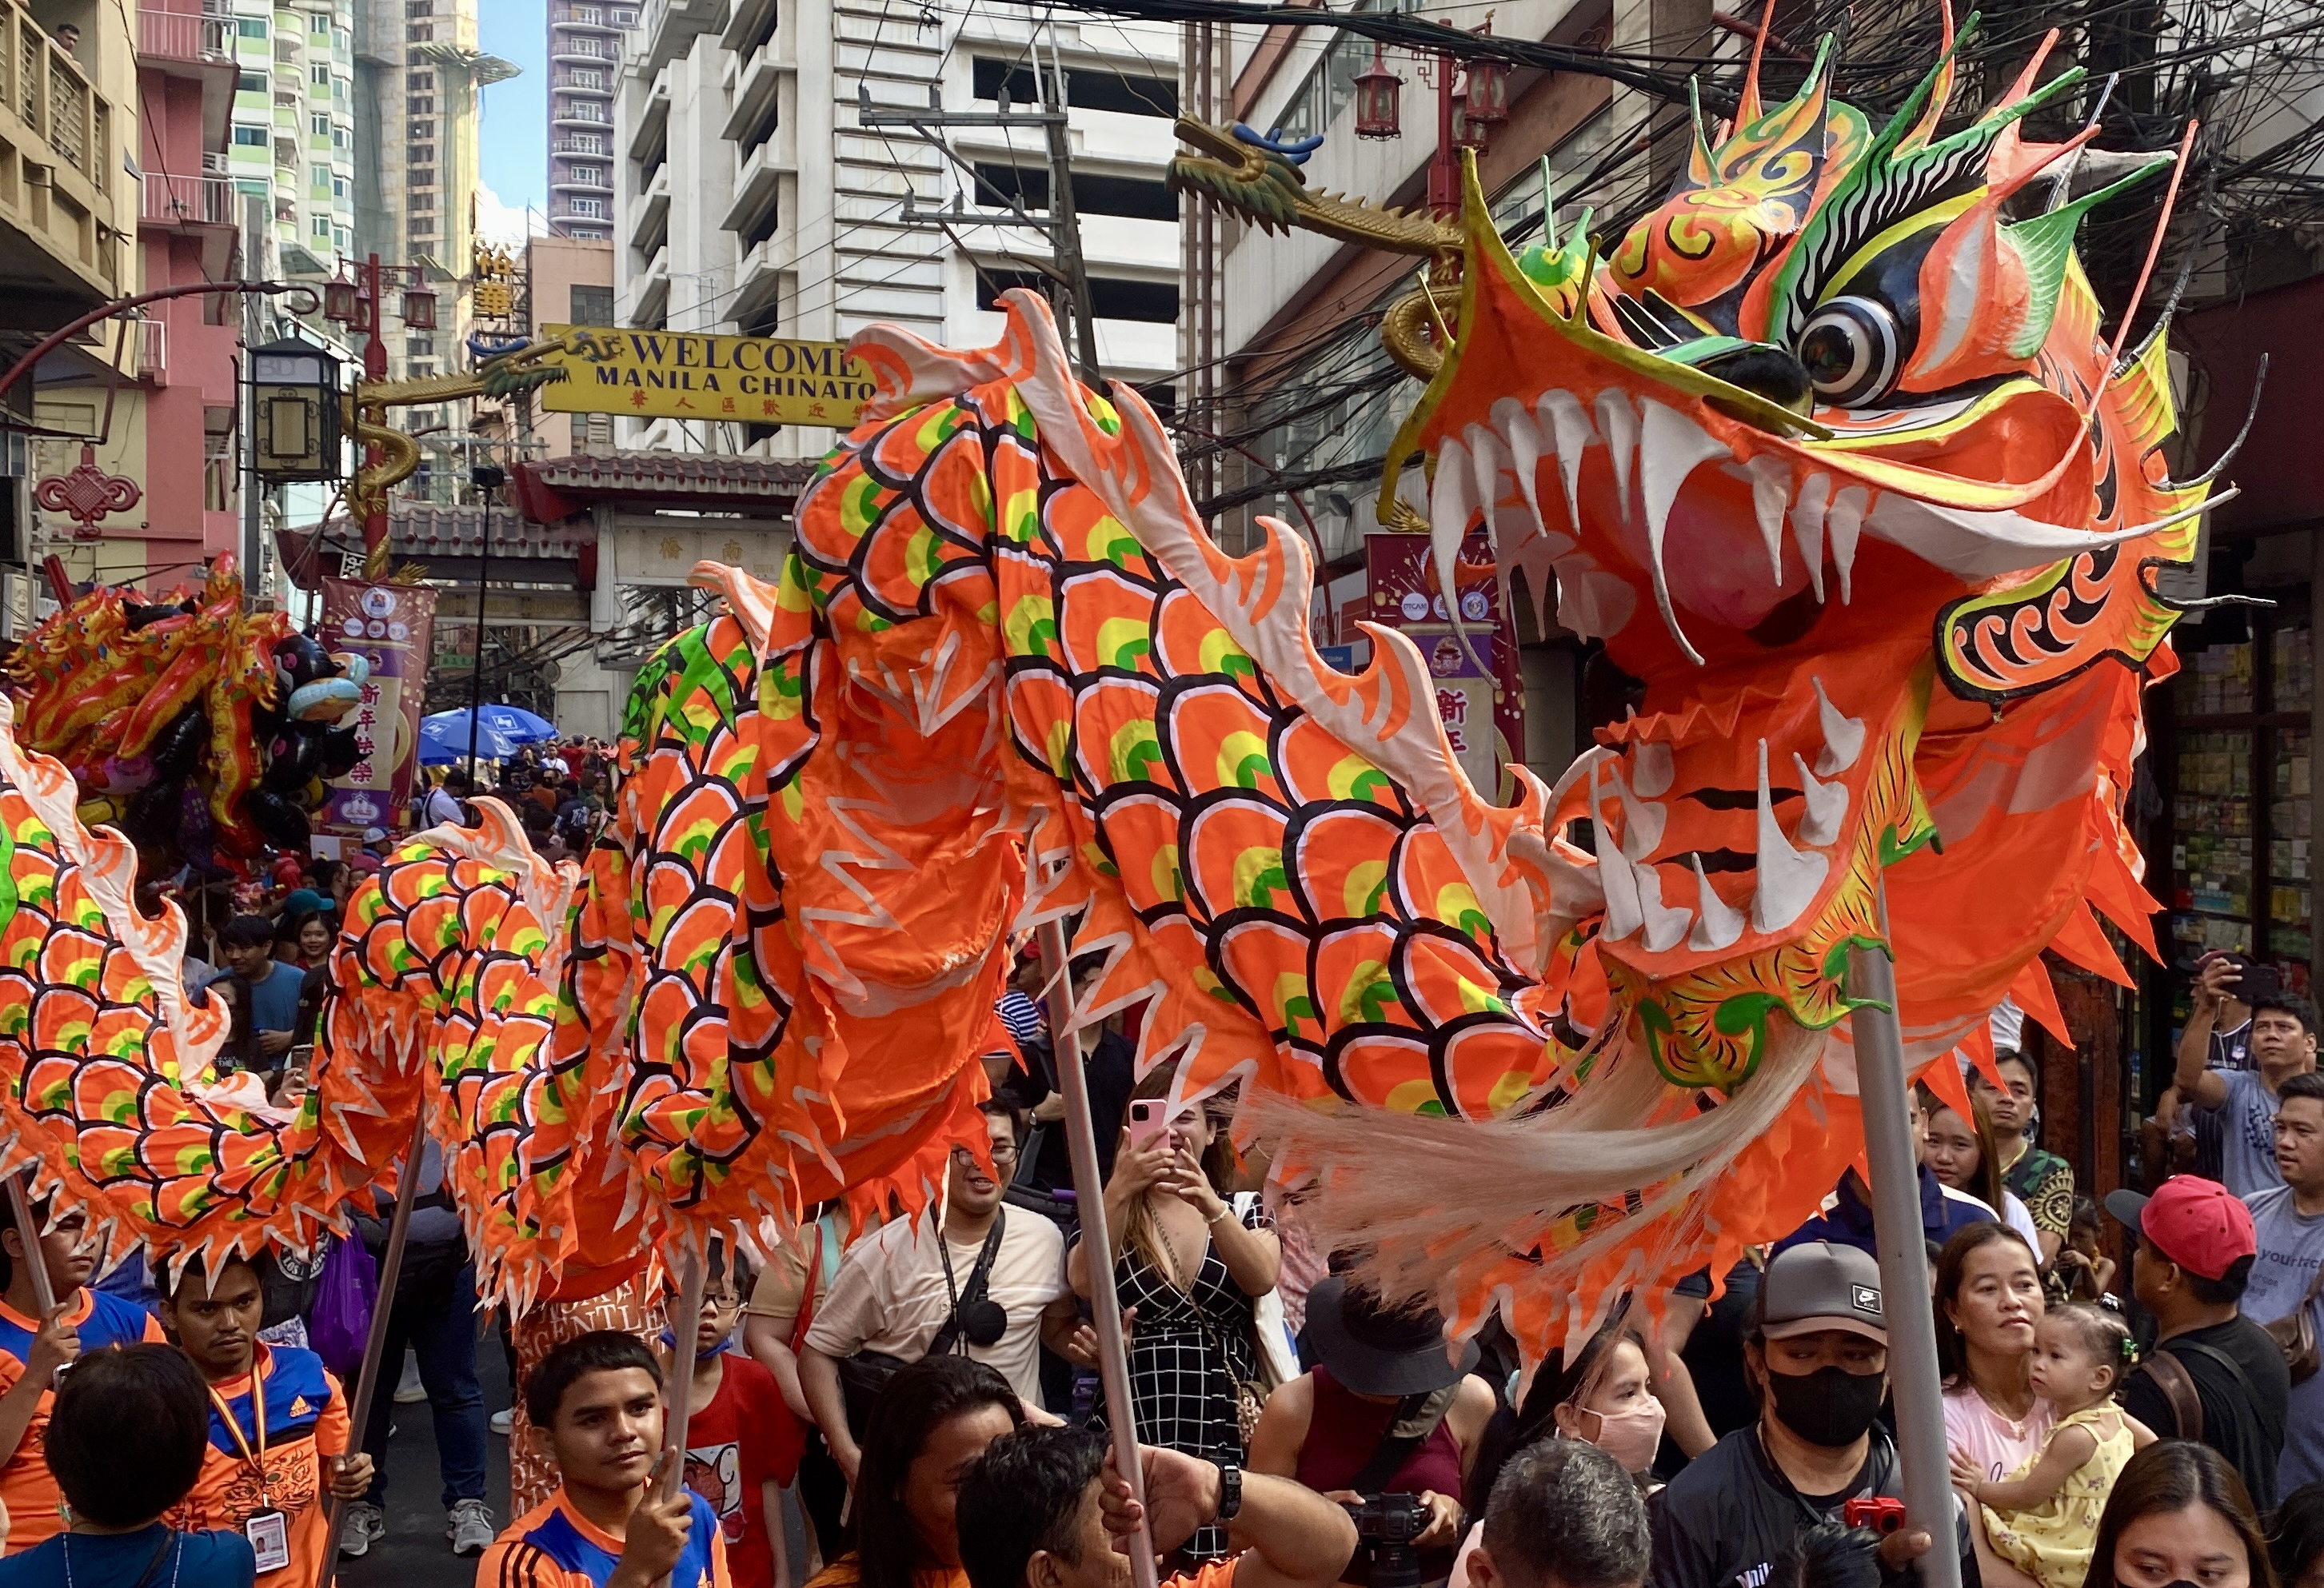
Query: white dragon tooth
point(1770, 493)
point(1619, 422)
point(1567, 424)
point(1843, 736)
point(1846, 519)
point(1485, 465)
point(1807, 527)
point(1789, 880)
point(1666, 923)
point(1672, 447)
point(1523, 437)
point(1651, 769)
point(1451, 494)
point(1720, 923)
point(1827, 806)
point(1643, 820)
point(1614, 873)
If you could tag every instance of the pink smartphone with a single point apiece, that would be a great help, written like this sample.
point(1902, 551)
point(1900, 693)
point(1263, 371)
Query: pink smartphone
point(1149, 1122)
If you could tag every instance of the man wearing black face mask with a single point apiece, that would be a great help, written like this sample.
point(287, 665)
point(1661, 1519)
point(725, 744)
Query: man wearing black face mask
point(1818, 1354)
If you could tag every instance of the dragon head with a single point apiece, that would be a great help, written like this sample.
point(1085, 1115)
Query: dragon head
point(1830, 454)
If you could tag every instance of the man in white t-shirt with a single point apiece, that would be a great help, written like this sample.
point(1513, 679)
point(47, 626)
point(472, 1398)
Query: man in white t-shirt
point(898, 1288)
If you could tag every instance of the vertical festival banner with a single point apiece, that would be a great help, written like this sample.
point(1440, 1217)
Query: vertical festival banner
point(388, 626)
point(1482, 708)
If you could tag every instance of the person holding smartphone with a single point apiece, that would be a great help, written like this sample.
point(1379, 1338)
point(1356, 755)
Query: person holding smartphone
point(2282, 1038)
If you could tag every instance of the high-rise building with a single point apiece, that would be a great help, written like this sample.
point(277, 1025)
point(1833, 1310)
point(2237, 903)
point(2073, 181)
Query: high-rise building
point(293, 138)
point(584, 59)
point(417, 70)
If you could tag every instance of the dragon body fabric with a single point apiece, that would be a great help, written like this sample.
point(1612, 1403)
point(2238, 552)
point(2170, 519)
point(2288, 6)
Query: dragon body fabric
point(1828, 452)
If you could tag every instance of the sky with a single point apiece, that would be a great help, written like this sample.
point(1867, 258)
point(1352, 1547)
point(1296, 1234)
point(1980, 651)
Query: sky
point(514, 147)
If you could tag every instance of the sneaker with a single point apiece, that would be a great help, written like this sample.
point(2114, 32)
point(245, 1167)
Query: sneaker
point(409, 1390)
point(366, 1525)
point(504, 1420)
point(469, 1527)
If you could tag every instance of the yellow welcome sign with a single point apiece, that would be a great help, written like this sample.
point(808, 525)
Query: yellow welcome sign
point(672, 374)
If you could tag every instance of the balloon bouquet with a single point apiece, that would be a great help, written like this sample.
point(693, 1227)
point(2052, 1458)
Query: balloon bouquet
point(204, 732)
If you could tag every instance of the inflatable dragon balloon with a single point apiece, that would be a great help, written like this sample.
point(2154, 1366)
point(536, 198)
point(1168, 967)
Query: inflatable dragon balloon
point(1828, 451)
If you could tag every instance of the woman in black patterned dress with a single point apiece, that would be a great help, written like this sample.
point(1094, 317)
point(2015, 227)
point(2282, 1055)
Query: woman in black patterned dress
point(1188, 1267)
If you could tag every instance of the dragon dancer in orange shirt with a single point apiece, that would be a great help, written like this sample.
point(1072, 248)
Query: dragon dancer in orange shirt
point(279, 1436)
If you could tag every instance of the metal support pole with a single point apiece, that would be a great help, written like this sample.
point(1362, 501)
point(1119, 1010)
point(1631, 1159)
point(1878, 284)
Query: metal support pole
point(1912, 1375)
point(1064, 225)
point(36, 1267)
point(390, 1266)
point(1089, 1194)
point(476, 677)
point(678, 1391)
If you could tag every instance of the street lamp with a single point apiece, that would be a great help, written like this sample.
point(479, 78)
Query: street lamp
point(339, 301)
point(1488, 94)
point(419, 309)
point(295, 393)
point(1379, 100)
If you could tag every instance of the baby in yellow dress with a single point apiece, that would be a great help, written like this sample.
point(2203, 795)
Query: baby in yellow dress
point(2043, 1518)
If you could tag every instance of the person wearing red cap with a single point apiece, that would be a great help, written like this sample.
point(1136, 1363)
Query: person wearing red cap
point(2214, 1375)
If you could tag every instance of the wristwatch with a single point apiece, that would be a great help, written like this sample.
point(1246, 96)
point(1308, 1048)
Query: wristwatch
point(1229, 1492)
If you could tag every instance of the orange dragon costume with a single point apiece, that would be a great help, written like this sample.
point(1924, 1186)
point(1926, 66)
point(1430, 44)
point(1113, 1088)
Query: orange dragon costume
point(1828, 451)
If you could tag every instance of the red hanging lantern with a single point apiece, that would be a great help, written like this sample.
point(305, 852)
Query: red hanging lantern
point(1488, 95)
point(1379, 100)
point(419, 309)
point(339, 301)
point(1466, 132)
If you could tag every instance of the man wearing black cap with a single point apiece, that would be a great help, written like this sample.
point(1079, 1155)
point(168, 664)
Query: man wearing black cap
point(2214, 1375)
point(1818, 1352)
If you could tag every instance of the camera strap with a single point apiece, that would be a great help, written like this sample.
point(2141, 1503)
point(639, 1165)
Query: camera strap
point(949, 1338)
point(1416, 1417)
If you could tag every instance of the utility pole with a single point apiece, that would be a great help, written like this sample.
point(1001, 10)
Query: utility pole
point(1066, 268)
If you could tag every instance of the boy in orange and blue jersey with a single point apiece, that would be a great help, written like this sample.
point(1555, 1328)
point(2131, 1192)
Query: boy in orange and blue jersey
point(594, 1403)
point(31, 1353)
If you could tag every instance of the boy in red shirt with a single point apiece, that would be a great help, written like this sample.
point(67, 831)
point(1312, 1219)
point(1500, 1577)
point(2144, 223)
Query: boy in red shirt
point(743, 1446)
point(278, 1426)
point(31, 1351)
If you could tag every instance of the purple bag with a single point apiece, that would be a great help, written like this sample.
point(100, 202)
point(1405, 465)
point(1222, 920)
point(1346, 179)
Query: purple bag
point(346, 1292)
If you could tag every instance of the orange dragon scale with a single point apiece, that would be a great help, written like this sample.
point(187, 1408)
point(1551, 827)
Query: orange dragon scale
point(1829, 452)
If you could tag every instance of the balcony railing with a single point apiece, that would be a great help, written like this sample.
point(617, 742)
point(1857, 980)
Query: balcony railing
point(173, 36)
point(185, 201)
point(47, 88)
point(597, 150)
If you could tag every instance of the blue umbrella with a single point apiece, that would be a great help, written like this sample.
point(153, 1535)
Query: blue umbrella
point(499, 730)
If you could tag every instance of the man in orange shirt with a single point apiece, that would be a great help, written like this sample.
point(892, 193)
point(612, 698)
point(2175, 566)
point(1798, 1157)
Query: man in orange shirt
point(33, 1349)
point(594, 1404)
point(1044, 1507)
point(278, 1426)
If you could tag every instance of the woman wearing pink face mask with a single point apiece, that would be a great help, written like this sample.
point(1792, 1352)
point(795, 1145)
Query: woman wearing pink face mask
point(1602, 1397)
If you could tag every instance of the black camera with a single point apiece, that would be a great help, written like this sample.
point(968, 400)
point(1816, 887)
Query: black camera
point(1385, 1525)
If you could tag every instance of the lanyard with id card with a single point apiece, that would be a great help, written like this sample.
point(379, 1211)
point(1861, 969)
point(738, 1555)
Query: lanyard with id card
point(267, 1528)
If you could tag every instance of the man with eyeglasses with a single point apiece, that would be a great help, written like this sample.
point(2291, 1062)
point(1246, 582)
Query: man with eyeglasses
point(990, 1283)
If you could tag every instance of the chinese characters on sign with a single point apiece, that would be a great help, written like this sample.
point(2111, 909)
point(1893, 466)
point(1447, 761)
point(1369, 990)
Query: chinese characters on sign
point(389, 624)
point(766, 380)
point(1482, 708)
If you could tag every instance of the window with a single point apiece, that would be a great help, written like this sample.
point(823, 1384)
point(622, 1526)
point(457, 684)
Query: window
point(322, 227)
point(319, 75)
point(1153, 302)
point(623, 17)
point(421, 130)
point(250, 137)
point(320, 126)
point(321, 175)
point(341, 187)
point(592, 306)
point(419, 104)
point(419, 7)
point(421, 154)
point(423, 226)
point(423, 200)
point(250, 82)
point(588, 77)
point(422, 176)
point(419, 32)
point(250, 27)
point(595, 208)
point(1028, 185)
point(422, 82)
point(588, 143)
point(591, 16)
point(594, 175)
point(340, 138)
point(1123, 93)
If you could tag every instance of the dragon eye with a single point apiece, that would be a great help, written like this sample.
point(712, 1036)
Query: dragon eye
point(1849, 348)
